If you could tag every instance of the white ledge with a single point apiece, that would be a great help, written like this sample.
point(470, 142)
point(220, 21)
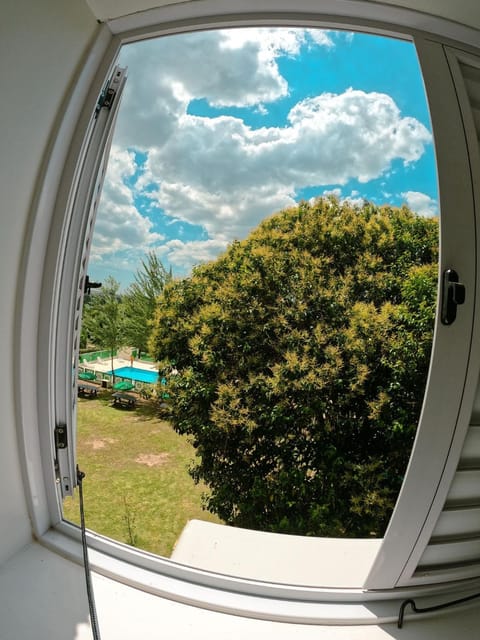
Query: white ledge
point(51, 590)
point(166, 580)
point(342, 563)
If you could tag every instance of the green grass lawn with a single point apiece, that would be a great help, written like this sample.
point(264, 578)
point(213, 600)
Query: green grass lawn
point(137, 488)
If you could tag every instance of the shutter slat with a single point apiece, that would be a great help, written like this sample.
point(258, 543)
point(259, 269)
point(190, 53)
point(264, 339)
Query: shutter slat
point(471, 449)
point(457, 523)
point(465, 489)
point(442, 554)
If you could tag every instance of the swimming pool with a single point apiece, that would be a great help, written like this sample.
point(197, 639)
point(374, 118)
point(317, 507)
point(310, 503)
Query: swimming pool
point(140, 375)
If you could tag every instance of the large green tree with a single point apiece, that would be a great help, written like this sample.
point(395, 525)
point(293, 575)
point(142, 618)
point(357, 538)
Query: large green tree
point(302, 356)
point(140, 301)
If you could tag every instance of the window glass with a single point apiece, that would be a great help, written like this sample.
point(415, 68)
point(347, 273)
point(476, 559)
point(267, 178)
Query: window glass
point(267, 244)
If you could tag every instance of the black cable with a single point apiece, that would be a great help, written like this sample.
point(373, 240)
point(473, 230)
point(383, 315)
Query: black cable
point(436, 607)
point(86, 563)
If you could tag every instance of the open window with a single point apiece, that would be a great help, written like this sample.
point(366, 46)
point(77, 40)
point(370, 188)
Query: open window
point(450, 387)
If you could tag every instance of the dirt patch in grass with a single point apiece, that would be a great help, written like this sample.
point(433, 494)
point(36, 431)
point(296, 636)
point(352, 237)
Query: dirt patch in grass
point(99, 443)
point(152, 459)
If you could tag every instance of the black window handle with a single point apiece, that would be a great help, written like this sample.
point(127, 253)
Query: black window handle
point(453, 294)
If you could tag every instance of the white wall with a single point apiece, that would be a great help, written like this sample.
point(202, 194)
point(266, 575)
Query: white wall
point(42, 43)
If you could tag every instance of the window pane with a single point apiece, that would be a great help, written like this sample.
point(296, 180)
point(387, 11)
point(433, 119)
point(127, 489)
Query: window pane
point(297, 166)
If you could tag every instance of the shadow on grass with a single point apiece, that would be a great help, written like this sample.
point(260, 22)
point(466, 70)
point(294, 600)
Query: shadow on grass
point(144, 410)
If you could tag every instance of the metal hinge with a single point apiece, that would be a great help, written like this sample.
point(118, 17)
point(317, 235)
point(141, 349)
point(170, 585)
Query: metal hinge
point(107, 97)
point(61, 440)
point(61, 460)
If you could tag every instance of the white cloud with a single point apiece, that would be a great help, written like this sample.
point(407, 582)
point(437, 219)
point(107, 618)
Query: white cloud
point(220, 215)
point(226, 176)
point(184, 255)
point(321, 37)
point(272, 42)
point(236, 67)
point(421, 203)
point(119, 226)
point(355, 135)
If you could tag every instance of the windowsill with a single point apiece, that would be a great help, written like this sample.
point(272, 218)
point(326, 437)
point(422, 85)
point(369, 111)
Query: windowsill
point(340, 563)
point(222, 593)
point(162, 579)
point(52, 588)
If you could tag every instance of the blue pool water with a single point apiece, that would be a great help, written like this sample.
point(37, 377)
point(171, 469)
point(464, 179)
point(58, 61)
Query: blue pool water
point(133, 373)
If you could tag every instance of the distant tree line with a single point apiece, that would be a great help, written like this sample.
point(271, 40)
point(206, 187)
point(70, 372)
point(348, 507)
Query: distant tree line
point(302, 356)
point(112, 319)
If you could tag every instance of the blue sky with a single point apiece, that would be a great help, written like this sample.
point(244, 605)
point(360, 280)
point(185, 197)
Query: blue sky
point(219, 129)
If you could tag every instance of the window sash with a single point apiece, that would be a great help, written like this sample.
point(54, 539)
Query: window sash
point(73, 261)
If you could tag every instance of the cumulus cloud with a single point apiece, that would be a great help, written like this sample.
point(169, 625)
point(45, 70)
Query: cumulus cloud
point(216, 212)
point(185, 255)
point(236, 67)
point(355, 135)
point(272, 41)
point(421, 203)
point(226, 176)
point(120, 227)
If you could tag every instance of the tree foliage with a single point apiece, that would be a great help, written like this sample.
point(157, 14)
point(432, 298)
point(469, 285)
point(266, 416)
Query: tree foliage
point(140, 301)
point(113, 319)
point(302, 356)
point(103, 317)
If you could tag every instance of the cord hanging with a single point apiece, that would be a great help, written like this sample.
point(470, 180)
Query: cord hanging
point(86, 563)
point(436, 607)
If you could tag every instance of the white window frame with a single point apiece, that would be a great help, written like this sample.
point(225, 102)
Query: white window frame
point(37, 383)
point(71, 272)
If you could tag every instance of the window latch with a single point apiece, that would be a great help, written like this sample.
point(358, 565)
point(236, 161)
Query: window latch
point(89, 285)
point(453, 294)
